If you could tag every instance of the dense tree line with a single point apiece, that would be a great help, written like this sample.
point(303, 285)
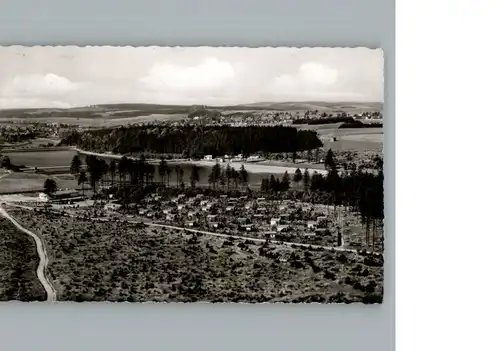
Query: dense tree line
point(323, 120)
point(195, 141)
point(347, 122)
point(227, 177)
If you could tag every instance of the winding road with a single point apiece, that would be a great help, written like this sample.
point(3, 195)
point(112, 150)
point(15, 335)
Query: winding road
point(42, 254)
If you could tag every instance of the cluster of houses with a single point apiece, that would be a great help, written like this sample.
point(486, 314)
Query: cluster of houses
point(237, 158)
point(244, 216)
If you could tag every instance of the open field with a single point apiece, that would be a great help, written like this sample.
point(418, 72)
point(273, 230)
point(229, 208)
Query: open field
point(18, 264)
point(360, 139)
point(24, 182)
point(41, 158)
point(93, 261)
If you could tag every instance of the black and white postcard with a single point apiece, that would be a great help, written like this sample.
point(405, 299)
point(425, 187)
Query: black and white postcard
point(203, 174)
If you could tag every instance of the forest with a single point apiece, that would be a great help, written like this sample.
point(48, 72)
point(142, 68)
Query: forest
point(347, 122)
point(195, 141)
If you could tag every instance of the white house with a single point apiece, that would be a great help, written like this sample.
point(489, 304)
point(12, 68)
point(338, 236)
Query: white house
point(311, 224)
point(42, 197)
point(112, 207)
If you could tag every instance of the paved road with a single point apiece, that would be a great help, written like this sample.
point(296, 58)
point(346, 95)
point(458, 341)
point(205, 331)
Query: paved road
point(42, 254)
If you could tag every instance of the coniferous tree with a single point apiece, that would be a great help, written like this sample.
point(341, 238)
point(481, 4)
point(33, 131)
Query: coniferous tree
point(195, 175)
point(76, 163)
point(329, 161)
point(306, 179)
point(50, 186)
point(285, 182)
point(162, 169)
point(112, 171)
point(82, 179)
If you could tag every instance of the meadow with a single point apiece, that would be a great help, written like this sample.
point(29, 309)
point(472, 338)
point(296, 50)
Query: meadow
point(360, 139)
point(30, 182)
point(41, 158)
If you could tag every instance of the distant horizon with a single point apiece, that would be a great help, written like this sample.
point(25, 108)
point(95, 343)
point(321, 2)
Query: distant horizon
point(70, 76)
point(246, 104)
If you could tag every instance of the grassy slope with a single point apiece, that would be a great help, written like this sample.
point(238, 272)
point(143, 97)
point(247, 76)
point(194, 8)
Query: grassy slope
point(18, 263)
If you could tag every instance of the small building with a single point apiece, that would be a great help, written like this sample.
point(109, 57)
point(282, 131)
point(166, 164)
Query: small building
point(242, 220)
point(142, 212)
point(321, 221)
point(42, 197)
point(270, 235)
point(207, 157)
point(275, 221)
point(254, 158)
point(190, 223)
point(211, 218)
point(247, 227)
point(283, 228)
point(311, 225)
point(180, 207)
point(65, 194)
point(229, 208)
point(112, 207)
point(166, 211)
point(214, 225)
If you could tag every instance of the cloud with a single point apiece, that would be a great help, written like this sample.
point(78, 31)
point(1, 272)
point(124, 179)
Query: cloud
point(312, 80)
point(211, 74)
point(36, 85)
point(309, 75)
point(32, 103)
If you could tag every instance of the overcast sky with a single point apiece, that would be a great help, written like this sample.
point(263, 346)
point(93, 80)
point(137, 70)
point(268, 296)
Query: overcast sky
point(72, 76)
